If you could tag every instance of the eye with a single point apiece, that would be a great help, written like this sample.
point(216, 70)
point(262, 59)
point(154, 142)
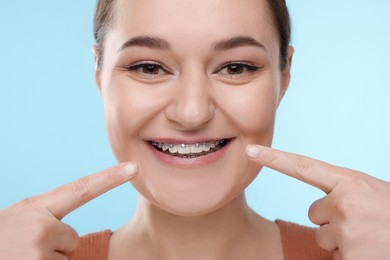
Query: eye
point(149, 69)
point(232, 69)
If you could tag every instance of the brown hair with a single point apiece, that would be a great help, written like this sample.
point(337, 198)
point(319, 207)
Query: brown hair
point(282, 22)
point(102, 21)
point(104, 18)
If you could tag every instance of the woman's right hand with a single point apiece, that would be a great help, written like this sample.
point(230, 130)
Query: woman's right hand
point(32, 228)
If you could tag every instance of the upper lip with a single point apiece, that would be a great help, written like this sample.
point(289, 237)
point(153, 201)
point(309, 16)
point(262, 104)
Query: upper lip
point(186, 140)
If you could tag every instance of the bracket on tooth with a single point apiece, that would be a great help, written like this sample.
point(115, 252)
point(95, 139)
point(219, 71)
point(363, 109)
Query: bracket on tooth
point(197, 149)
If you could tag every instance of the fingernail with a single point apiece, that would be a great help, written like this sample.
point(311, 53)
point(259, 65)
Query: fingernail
point(253, 151)
point(130, 169)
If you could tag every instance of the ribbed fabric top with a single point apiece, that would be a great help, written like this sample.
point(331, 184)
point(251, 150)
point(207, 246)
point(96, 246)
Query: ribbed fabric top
point(93, 246)
point(298, 244)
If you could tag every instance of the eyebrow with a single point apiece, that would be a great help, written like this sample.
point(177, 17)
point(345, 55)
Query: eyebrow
point(146, 41)
point(161, 44)
point(237, 41)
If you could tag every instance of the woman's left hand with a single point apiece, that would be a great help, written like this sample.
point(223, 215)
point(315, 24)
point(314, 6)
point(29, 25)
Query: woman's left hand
point(354, 216)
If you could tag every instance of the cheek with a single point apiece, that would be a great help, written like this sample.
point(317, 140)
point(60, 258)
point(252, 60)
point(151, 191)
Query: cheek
point(128, 108)
point(252, 110)
point(248, 112)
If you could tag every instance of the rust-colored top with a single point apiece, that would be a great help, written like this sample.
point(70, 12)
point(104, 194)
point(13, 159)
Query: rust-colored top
point(298, 244)
point(93, 246)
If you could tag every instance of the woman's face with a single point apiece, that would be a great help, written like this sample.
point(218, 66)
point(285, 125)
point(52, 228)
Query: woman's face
point(186, 85)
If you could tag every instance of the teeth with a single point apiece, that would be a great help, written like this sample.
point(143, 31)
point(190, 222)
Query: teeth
point(184, 149)
point(173, 149)
point(187, 149)
point(197, 148)
point(206, 147)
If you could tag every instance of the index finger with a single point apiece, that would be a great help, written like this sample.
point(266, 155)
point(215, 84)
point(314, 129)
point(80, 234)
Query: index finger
point(314, 172)
point(63, 200)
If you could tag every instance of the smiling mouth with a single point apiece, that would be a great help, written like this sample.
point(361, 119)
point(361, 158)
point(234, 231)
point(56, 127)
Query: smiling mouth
point(190, 150)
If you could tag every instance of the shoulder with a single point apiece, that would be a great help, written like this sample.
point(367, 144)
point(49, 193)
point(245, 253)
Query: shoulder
point(93, 246)
point(299, 242)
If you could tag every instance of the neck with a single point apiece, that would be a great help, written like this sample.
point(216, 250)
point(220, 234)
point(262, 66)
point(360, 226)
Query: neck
point(215, 234)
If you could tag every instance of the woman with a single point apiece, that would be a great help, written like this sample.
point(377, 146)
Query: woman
point(190, 97)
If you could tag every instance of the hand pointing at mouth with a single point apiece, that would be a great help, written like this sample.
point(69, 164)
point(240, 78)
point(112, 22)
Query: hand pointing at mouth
point(354, 216)
point(32, 228)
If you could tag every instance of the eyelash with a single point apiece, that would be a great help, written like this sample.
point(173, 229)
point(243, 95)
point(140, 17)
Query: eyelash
point(142, 67)
point(241, 65)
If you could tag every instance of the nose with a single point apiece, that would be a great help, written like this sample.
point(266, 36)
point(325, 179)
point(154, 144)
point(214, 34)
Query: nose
point(191, 105)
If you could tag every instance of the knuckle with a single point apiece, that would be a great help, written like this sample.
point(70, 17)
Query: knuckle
point(325, 239)
point(303, 166)
point(74, 244)
point(41, 234)
point(343, 234)
point(319, 238)
point(345, 206)
point(313, 213)
point(82, 188)
point(30, 204)
point(74, 239)
point(361, 184)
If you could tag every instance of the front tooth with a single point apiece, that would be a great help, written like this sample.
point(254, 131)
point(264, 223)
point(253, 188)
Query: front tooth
point(173, 149)
point(206, 147)
point(183, 149)
point(196, 148)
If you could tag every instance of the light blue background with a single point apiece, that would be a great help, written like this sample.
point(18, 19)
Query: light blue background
point(52, 125)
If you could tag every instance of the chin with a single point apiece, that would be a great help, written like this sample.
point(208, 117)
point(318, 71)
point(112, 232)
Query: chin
point(196, 197)
point(190, 206)
point(186, 186)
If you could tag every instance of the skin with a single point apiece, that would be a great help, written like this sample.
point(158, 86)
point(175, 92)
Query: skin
point(353, 216)
point(32, 228)
point(203, 214)
point(193, 98)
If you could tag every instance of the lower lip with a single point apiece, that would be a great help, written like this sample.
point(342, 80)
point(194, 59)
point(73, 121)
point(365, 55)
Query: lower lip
point(189, 162)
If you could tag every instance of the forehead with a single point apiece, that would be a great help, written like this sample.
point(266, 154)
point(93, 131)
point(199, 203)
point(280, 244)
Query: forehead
point(197, 21)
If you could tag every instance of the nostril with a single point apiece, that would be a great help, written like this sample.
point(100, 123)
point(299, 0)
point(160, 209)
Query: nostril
point(193, 115)
point(191, 105)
